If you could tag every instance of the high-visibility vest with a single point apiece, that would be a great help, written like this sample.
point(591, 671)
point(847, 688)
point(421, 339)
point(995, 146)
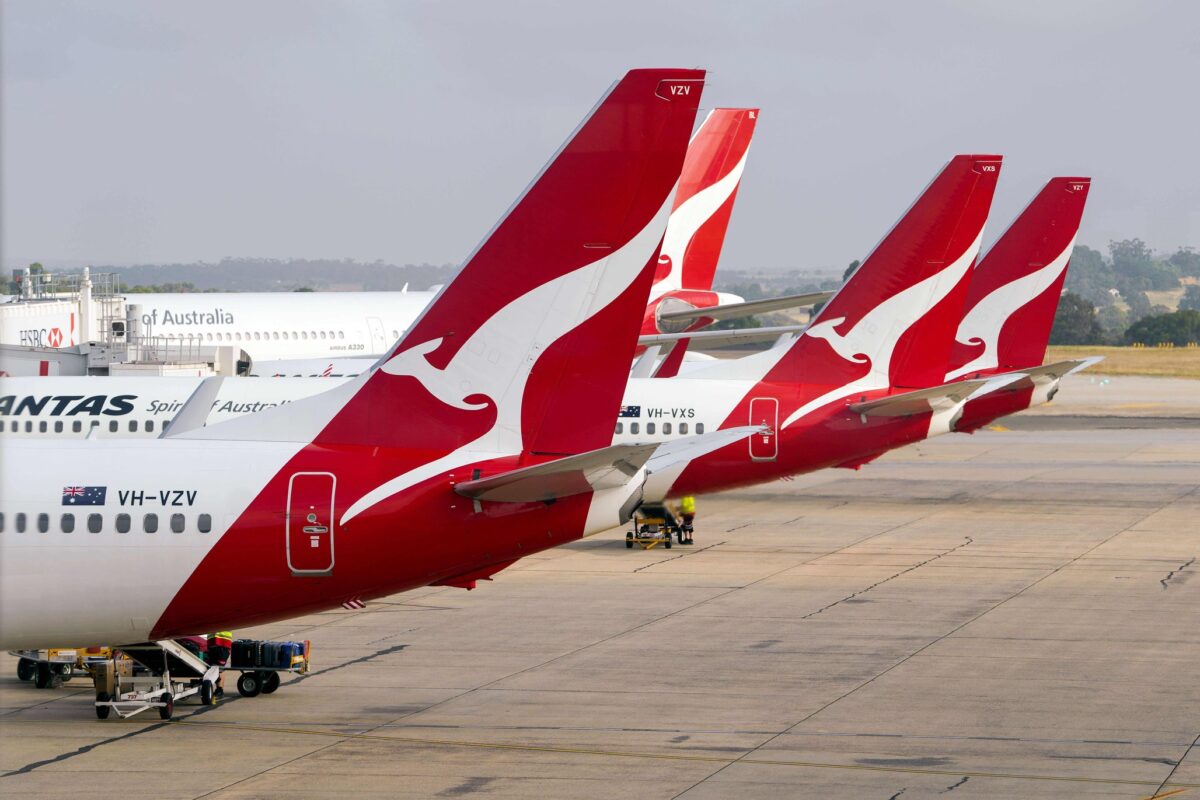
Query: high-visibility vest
point(221, 638)
point(687, 505)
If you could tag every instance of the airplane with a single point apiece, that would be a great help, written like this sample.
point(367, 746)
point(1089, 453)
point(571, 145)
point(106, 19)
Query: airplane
point(462, 430)
point(122, 407)
point(905, 404)
point(344, 333)
point(896, 285)
point(1010, 306)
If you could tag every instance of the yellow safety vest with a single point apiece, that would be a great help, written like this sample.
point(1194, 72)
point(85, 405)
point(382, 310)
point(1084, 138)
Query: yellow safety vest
point(687, 505)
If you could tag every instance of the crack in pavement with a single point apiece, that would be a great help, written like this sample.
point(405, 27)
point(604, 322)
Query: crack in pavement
point(1180, 568)
point(918, 565)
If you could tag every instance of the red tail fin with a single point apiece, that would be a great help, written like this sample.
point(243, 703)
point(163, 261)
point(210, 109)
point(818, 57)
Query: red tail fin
point(704, 201)
point(893, 321)
point(529, 346)
point(1015, 289)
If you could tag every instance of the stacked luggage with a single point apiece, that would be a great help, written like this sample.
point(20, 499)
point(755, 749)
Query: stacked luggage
point(253, 654)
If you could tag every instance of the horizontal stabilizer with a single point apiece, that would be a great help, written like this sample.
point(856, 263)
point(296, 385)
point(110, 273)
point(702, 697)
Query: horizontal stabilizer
point(691, 447)
point(746, 309)
point(1024, 378)
point(606, 468)
point(195, 411)
point(935, 398)
point(717, 338)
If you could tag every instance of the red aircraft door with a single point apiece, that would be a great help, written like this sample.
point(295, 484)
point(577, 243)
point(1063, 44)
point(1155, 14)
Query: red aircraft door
point(764, 445)
point(310, 523)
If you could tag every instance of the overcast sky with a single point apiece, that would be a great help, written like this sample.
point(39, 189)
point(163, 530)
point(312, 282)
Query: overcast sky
point(149, 132)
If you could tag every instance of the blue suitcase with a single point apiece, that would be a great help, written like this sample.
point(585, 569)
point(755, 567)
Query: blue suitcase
point(288, 651)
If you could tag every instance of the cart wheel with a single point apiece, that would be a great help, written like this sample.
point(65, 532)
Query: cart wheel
point(26, 669)
point(66, 672)
point(249, 685)
point(206, 693)
point(102, 711)
point(42, 675)
point(629, 542)
point(165, 712)
point(668, 544)
point(270, 682)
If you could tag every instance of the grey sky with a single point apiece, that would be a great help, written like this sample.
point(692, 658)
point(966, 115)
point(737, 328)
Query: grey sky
point(137, 132)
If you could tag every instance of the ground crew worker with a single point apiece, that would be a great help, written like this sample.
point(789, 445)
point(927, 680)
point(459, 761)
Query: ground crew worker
point(219, 647)
point(687, 510)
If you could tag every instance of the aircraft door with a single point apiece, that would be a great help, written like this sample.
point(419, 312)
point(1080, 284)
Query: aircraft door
point(309, 523)
point(379, 340)
point(764, 446)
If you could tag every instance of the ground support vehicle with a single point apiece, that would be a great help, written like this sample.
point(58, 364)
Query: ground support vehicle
point(656, 523)
point(172, 673)
point(49, 669)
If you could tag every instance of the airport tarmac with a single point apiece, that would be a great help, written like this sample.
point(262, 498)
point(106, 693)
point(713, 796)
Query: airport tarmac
point(1014, 614)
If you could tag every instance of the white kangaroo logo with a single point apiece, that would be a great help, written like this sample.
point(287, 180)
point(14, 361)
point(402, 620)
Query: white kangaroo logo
point(414, 362)
point(688, 218)
point(498, 357)
point(874, 337)
point(983, 323)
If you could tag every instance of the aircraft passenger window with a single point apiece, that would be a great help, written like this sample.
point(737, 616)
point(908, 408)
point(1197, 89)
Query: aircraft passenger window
point(133, 426)
point(341, 335)
point(43, 523)
point(208, 336)
point(67, 523)
point(29, 426)
point(112, 426)
point(649, 427)
point(314, 334)
point(20, 523)
point(177, 523)
point(58, 426)
point(620, 428)
point(683, 429)
point(77, 426)
point(699, 428)
point(14, 425)
point(633, 427)
point(149, 425)
point(256, 336)
point(275, 335)
point(322, 334)
point(204, 523)
point(43, 427)
point(666, 429)
point(150, 523)
point(303, 334)
point(1, 522)
point(95, 522)
point(122, 523)
point(395, 334)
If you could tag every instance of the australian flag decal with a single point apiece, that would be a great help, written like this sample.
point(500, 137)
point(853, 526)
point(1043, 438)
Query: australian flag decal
point(631, 411)
point(84, 495)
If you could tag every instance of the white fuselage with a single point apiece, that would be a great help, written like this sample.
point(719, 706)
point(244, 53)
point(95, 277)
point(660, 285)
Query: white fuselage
point(279, 326)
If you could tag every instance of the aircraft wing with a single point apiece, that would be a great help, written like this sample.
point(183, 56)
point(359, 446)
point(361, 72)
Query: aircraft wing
point(746, 309)
point(935, 398)
point(606, 468)
point(714, 338)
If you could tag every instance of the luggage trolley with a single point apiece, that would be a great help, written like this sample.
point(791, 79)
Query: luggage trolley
point(262, 662)
point(172, 673)
point(652, 525)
